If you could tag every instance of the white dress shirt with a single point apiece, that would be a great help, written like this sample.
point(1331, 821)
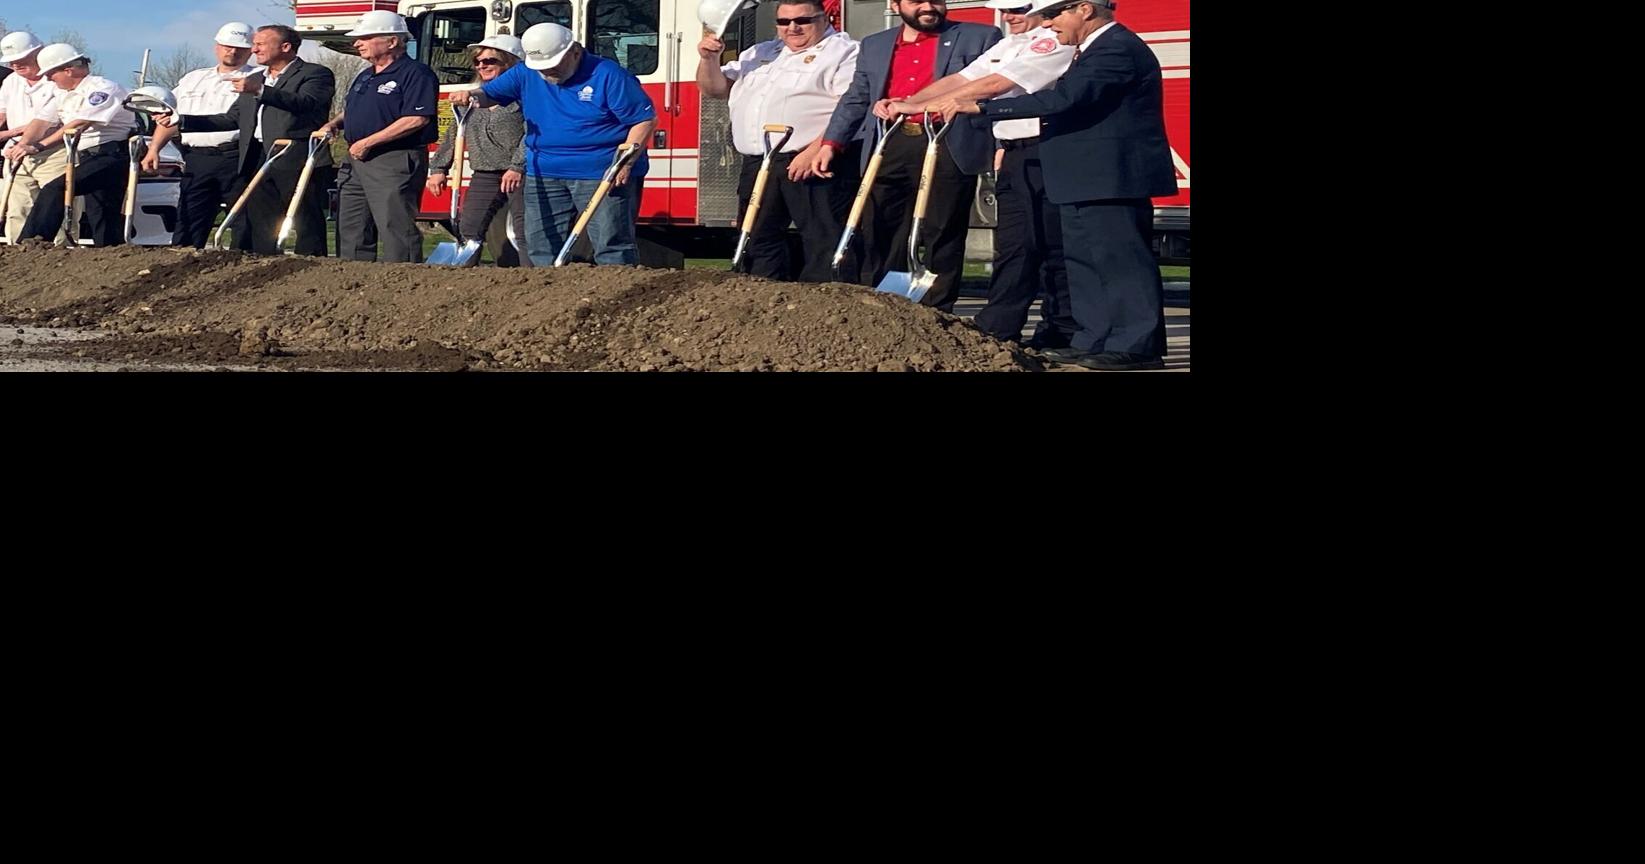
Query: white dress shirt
point(96, 99)
point(205, 92)
point(1033, 60)
point(794, 88)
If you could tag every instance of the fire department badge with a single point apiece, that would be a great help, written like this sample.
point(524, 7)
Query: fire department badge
point(98, 98)
point(810, 58)
point(1043, 46)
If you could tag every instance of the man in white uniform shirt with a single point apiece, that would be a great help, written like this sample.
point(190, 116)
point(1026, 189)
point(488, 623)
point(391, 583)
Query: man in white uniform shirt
point(91, 105)
point(18, 94)
point(793, 80)
point(1028, 237)
point(212, 177)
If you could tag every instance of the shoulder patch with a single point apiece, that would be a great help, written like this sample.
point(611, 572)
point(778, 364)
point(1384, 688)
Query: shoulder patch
point(1043, 46)
point(97, 98)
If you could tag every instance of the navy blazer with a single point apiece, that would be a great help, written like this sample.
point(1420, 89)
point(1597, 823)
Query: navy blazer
point(1102, 132)
point(971, 143)
point(293, 107)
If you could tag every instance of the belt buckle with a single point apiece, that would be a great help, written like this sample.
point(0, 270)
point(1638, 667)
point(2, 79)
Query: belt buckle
point(912, 129)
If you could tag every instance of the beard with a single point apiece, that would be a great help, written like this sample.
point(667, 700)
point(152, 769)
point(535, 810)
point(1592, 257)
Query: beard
point(914, 21)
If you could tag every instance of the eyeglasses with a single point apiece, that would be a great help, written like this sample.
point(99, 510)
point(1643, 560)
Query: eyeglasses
point(810, 19)
point(489, 61)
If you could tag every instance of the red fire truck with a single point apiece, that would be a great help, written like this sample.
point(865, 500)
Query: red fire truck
point(692, 186)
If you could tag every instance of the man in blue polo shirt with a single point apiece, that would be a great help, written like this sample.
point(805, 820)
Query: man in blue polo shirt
point(578, 109)
point(388, 119)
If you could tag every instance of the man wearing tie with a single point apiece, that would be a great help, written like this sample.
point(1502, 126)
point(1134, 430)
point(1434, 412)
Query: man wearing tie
point(1102, 140)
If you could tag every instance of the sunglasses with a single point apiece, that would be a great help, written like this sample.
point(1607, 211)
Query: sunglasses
point(1017, 10)
point(489, 61)
point(809, 19)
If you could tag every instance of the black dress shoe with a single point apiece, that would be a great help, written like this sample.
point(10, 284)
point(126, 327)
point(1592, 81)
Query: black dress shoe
point(1119, 361)
point(1065, 355)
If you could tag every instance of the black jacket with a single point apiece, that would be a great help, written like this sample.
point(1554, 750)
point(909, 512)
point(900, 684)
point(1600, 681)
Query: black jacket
point(1102, 129)
point(293, 107)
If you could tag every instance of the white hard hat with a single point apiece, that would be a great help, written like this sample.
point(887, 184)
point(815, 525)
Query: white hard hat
point(149, 98)
point(545, 45)
point(1041, 5)
point(380, 23)
point(717, 14)
point(234, 34)
point(17, 45)
point(57, 55)
point(502, 42)
point(1008, 4)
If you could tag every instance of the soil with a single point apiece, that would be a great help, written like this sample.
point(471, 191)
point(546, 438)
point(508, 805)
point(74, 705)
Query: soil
point(185, 305)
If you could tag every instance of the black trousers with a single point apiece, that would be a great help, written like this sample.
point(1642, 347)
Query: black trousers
point(1027, 254)
point(484, 200)
point(101, 177)
point(266, 208)
point(890, 213)
point(817, 206)
point(211, 179)
point(1113, 278)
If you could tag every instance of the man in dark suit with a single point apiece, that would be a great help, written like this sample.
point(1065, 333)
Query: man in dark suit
point(290, 100)
point(896, 64)
point(1102, 142)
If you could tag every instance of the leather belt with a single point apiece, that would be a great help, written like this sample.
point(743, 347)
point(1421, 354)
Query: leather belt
point(915, 129)
point(1018, 143)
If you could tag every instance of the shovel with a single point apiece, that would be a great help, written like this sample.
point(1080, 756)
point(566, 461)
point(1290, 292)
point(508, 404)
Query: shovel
point(5, 200)
point(456, 253)
point(862, 192)
point(134, 147)
point(280, 146)
point(71, 225)
point(625, 152)
point(316, 144)
point(759, 187)
point(914, 284)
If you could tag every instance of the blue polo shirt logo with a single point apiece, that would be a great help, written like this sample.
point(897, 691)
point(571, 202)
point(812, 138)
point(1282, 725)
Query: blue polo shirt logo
point(586, 94)
point(388, 88)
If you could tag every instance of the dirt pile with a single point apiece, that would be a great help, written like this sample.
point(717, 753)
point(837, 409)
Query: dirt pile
point(322, 312)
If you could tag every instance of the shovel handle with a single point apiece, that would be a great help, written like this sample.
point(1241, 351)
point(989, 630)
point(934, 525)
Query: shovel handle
point(457, 160)
point(927, 171)
point(868, 176)
point(588, 212)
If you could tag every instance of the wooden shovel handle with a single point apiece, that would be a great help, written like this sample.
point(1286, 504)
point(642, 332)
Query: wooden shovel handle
point(588, 212)
point(862, 191)
point(927, 171)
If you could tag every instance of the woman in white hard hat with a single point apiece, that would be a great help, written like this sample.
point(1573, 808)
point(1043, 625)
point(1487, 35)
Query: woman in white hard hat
point(19, 94)
point(495, 139)
point(90, 105)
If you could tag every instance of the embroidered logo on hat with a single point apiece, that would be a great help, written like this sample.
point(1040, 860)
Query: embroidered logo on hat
point(1043, 46)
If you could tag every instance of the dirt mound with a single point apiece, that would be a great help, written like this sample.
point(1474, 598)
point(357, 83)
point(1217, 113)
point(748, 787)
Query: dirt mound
point(183, 304)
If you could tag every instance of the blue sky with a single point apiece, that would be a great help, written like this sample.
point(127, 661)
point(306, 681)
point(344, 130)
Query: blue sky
point(117, 32)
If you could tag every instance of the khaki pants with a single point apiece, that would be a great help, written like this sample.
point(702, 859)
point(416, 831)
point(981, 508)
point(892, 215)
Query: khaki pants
point(32, 173)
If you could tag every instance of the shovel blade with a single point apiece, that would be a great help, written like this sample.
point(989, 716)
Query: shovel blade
point(909, 285)
point(444, 253)
point(467, 253)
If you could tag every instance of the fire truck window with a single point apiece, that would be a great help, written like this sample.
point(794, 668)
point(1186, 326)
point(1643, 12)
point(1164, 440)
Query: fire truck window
point(626, 31)
point(529, 15)
point(445, 40)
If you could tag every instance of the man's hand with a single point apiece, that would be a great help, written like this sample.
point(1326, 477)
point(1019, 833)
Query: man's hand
point(151, 161)
point(511, 181)
point(999, 159)
point(436, 184)
point(359, 150)
point(321, 132)
point(801, 166)
point(819, 165)
point(17, 153)
point(883, 109)
point(951, 108)
point(461, 98)
point(710, 48)
point(622, 175)
point(252, 84)
point(167, 119)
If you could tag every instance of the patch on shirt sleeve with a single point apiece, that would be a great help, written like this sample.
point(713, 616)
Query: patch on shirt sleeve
point(1043, 46)
point(97, 98)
